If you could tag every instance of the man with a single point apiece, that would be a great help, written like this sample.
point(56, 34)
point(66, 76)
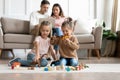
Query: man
point(35, 16)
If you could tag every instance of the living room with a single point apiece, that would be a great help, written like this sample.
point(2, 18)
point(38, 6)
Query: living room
point(97, 30)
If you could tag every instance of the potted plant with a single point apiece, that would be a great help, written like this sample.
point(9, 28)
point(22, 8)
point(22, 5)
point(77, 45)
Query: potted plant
point(108, 34)
point(109, 41)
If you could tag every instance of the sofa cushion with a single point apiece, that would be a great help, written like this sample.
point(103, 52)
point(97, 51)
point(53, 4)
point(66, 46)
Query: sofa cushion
point(18, 38)
point(10, 25)
point(82, 27)
point(85, 38)
point(17, 46)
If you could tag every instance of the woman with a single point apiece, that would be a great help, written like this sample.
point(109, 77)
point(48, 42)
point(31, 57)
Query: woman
point(58, 15)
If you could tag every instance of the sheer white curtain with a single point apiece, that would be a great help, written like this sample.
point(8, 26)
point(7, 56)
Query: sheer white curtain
point(79, 9)
point(118, 17)
point(114, 16)
point(104, 11)
point(107, 10)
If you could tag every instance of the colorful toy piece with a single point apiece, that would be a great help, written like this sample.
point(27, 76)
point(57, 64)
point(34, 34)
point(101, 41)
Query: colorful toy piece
point(12, 67)
point(85, 66)
point(68, 69)
point(78, 67)
point(64, 37)
point(31, 68)
point(50, 68)
point(15, 65)
point(62, 67)
point(81, 66)
point(46, 69)
point(72, 68)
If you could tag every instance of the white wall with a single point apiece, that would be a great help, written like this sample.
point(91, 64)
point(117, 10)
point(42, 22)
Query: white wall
point(15, 8)
point(21, 9)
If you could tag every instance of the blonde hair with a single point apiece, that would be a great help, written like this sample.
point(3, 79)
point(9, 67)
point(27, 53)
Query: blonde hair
point(68, 24)
point(44, 23)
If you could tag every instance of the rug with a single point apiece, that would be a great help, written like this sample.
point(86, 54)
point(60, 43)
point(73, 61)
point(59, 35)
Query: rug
point(92, 68)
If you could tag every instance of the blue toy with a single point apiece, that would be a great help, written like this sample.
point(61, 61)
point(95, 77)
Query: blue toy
point(46, 69)
point(67, 69)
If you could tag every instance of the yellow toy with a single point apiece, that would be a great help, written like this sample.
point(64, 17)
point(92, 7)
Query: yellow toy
point(65, 37)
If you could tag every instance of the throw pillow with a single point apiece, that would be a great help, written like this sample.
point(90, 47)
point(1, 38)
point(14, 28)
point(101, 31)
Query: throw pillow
point(82, 27)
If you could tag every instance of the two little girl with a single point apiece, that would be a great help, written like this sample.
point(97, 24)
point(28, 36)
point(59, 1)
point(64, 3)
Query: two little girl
point(43, 45)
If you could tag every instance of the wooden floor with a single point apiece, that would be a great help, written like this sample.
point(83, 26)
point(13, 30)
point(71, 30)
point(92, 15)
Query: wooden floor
point(68, 76)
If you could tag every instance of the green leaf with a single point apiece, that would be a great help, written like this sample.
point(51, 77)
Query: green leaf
point(109, 35)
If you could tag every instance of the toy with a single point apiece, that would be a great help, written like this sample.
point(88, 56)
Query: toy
point(78, 68)
point(50, 68)
point(46, 69)
point(72, 68)
point(53, 67)
point(81, 66)
point(12, 67)
point(58, 68)
point(31, 68)
point(68, 69)
point(62, 67)
point(15, 65)
point(86, 66)
point(64, 37)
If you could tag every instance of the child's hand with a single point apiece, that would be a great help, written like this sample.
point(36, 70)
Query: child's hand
point(66, 41)
point(37, 58)
point(53, 38)
point(46, 56)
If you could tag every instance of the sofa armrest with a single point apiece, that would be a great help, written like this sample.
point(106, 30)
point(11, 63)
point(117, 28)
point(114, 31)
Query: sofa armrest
point(1, 37)
point(1, 31)
point(97, 32)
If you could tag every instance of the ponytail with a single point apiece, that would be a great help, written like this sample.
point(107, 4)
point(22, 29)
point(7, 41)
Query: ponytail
point(68, 23)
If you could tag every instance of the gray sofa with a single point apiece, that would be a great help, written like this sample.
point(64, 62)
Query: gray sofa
point(91, 41)
point(14, 34)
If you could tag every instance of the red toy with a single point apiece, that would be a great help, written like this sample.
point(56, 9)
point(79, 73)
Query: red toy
point(15, 64)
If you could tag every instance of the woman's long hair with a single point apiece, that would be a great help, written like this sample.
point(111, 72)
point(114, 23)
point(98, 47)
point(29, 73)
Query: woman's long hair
point(61, 11)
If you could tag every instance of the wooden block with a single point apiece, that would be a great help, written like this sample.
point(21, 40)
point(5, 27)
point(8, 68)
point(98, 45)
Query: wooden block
point(31, 68)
